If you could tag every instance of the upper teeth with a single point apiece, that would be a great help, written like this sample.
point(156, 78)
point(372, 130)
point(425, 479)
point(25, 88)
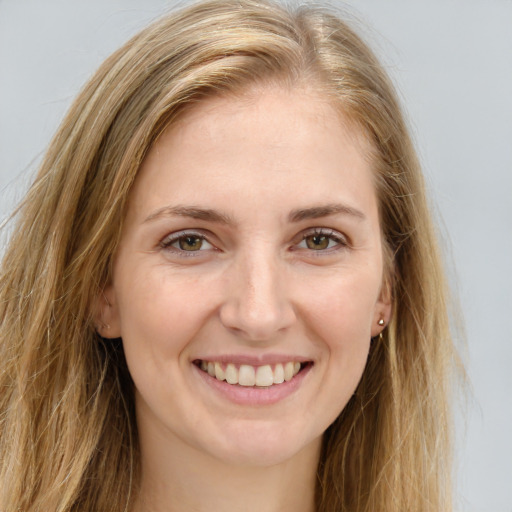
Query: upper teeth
point(247, 375)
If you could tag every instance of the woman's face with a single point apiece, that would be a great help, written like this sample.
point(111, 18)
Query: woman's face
point(251, 251)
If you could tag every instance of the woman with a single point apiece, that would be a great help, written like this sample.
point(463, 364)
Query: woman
point(224, 289)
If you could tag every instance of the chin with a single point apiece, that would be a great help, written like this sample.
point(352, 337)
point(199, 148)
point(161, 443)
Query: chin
point(263, 446)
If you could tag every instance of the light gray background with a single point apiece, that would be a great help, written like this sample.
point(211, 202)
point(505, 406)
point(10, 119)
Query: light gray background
point(452, 62)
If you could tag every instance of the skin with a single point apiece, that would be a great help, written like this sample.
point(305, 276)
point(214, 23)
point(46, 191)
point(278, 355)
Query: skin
point(272, 278)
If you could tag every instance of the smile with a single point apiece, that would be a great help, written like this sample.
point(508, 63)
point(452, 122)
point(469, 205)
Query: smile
point(251, 376)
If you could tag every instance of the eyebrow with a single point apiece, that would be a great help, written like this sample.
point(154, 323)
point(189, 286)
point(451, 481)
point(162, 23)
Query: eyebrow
point(191, 212)
point(317, 212)
point(210, 215)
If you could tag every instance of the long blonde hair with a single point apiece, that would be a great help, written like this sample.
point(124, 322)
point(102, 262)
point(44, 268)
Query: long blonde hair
point(68, 439)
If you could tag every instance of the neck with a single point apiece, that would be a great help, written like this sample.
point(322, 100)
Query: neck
point(176, 477)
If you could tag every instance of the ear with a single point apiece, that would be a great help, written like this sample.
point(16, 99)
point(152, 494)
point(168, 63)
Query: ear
point(106, 314)
point(383, 309)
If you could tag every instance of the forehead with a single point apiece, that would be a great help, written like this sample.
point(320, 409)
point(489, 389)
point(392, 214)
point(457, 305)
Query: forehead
point(261, 101)
point(257, 142)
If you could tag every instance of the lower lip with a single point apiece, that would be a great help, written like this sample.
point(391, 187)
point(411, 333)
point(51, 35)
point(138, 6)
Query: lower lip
point(249, 395)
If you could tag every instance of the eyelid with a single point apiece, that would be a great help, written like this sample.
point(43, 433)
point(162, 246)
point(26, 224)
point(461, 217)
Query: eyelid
point(170, 239)
point(341, 239)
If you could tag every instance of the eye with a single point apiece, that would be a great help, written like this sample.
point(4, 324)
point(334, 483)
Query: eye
point(186, 242)
point(322, 240)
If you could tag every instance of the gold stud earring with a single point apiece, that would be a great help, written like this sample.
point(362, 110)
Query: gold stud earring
point(381, 321)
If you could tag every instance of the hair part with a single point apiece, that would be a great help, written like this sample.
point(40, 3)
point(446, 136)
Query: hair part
point(68, 438)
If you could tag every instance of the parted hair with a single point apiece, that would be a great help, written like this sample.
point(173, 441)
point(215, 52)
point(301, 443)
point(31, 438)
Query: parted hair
point(68, 436)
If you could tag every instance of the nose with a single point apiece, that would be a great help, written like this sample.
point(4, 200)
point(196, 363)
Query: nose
point(257, 306)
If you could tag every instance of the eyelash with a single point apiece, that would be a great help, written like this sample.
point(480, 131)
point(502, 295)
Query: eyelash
point(333, 236)
point(340, 240)
point(174, 238)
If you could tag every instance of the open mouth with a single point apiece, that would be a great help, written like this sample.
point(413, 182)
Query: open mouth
point(252, 376)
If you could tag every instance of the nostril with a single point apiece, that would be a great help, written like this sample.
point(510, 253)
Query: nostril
point(256, 323)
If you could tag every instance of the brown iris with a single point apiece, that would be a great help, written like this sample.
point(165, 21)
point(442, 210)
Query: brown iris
point(317, 242)
point(190, 243)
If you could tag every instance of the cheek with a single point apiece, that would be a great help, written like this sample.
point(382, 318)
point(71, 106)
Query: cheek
point(342, 307)
point(159, 318)
point(340, 315)
point(159, 314)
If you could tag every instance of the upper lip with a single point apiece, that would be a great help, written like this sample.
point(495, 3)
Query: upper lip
point(254, 360)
